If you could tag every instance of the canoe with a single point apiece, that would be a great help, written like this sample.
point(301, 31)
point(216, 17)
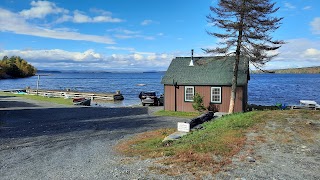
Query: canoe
point(81, 101)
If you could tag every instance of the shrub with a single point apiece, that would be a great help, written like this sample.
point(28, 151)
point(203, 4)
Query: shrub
point(198, 103)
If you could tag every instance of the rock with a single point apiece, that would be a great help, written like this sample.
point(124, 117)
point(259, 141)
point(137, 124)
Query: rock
point(309, 123)
point(197, 127)
point(174, 136)
point(251, 159)
point(201, 119)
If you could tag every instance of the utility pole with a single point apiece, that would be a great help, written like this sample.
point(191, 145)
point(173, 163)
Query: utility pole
point(38, 83)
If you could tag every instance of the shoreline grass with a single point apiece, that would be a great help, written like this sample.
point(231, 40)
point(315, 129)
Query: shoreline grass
point(177, 114)
point(40, 98)
point(211, 149)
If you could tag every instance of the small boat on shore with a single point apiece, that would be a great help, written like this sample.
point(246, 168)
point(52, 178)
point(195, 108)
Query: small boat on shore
point(307, 104)
point(81, 101)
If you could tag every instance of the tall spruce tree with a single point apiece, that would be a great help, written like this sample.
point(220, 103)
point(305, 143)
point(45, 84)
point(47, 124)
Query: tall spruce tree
point(246, 26)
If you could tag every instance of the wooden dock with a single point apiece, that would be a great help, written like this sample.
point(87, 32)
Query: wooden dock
point(72, 94)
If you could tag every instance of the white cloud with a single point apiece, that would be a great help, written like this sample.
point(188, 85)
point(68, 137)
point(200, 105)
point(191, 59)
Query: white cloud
point(307, 7)
point(123, 31)
point(315, 25)
point(121, 48)
point(53, 55)
point(146, 22)
point(137, 57)
point(105, 19)
point(164, 56)
point(10, 22)
point(81, 17)
point(64, 18)
point(40, 9)
point(312, 53)
point(101, 11)
point(152, 57)
point(297, 53)
point(124, 36)
point(289, 5)
point(91, 60)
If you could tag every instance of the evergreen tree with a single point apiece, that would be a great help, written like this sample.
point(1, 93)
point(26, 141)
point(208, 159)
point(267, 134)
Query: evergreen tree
point(247, 25)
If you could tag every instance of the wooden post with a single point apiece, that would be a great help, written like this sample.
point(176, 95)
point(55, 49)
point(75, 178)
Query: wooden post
point(175, 84)
point(38, 83)
point(175, 98)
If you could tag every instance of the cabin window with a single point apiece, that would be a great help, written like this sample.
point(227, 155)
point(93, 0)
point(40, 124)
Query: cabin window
point(216, 94)
point(188, 93)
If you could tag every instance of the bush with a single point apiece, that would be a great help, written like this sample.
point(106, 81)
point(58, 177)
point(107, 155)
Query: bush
point(198, 103)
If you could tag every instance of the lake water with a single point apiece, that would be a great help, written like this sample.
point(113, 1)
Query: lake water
point(264, 89)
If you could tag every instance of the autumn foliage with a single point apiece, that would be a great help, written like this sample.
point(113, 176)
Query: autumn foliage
point(15, 67)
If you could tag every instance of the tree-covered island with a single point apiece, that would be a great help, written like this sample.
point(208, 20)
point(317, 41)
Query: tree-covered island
point(15, 67)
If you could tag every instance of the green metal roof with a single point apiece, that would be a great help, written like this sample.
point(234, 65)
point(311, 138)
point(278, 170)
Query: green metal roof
point(206, 71)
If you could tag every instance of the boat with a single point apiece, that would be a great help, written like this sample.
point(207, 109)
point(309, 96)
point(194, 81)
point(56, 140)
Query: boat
point(81, 101)
point(141, 84)
point(307, 104)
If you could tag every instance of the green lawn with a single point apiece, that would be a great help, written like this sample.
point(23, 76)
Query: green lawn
point(177, 114)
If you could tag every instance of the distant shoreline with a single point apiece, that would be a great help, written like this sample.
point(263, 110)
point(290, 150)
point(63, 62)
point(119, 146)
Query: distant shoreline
point(305, 70)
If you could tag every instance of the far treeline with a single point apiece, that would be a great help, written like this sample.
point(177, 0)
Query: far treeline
point(305, 70)
point(15, 67)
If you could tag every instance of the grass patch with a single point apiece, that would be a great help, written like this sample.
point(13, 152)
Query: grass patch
point(208, 149)
point(177, 114)
point(211, 149)
point(148, 144)
point(40, 98)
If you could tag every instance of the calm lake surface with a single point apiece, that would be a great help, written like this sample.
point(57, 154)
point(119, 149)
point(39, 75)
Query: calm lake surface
point(264, 89)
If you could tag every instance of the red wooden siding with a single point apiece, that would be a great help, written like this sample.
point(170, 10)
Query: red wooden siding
point(169, 101)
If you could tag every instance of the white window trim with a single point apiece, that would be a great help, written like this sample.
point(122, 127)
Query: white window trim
point(185, 91)
point(212, 88)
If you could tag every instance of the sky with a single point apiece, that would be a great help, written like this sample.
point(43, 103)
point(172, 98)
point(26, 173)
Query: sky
point(138, 35)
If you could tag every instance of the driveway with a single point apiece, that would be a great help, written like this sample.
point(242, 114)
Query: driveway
point(45, 141)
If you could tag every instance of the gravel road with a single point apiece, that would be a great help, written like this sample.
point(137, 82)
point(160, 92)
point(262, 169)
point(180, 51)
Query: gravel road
point(43, 141)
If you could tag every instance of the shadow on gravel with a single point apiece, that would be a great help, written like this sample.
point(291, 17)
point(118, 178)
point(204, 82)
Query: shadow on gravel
point(11, 104)
point(38, 122)
point(6, 96)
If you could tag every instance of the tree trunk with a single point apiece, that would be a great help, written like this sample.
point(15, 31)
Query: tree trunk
point(236, 66)
point(234, 84)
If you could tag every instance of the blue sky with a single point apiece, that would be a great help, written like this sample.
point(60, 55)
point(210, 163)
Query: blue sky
point(137, 35)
